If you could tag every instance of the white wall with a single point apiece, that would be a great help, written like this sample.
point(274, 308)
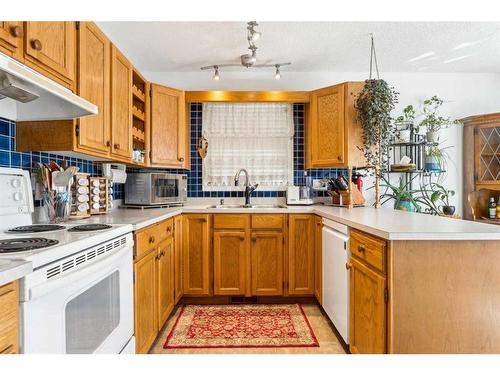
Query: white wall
point(467, 94)
point(8, 109)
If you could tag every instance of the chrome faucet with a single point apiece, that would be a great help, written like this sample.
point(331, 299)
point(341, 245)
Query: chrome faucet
point(248, 188)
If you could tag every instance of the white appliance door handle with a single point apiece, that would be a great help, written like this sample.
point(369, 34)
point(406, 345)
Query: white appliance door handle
point(73, 277)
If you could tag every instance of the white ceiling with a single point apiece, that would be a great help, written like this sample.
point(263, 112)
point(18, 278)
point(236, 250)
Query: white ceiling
point(471, 47)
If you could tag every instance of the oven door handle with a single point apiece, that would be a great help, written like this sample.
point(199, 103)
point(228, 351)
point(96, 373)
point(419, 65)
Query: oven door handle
point(73, 277)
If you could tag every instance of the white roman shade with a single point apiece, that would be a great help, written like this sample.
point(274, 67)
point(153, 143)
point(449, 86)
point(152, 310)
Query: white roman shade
point(254, 136)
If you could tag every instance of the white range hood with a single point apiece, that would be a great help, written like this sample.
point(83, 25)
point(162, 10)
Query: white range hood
point(37, 97)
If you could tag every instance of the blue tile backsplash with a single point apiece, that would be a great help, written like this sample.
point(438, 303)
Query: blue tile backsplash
point(11, 158)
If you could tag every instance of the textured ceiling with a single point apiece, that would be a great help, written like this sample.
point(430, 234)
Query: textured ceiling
point(312, 46)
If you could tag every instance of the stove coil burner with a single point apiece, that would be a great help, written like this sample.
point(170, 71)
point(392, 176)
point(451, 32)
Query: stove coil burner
point(24, 244)
point(36, 228)
point(89, 227)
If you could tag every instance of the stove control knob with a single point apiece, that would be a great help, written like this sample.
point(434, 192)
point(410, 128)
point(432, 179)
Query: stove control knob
point(17, 196)
point(16, 183)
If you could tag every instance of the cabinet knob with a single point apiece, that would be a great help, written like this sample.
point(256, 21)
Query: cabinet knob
point(116, 146)
point(180, 159)
point(162, 253)
point(36, 44)
point(152, 239)
point(16, 31)
point(169, 229)
point(348, 266)
point(108, 144)
point(361, 248)
point(157, 257)
point(339, 157)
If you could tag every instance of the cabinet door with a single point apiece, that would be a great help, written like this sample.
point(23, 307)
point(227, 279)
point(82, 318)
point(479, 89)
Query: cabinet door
point(145, 302)
point(325, 130)
point(9, 318)
point(196, 254)
point(11, 39)
point(318, 259)
point(50, 48)
point(94, 58)
point(168, 125)
point(230, 262)
point(165, 280)
point(301, 254)
point(177, 258)
point(367, 310)
point(267, 263)
point(121, 105)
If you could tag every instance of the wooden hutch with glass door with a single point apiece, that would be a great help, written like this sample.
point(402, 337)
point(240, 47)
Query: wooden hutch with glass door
point(481, 156)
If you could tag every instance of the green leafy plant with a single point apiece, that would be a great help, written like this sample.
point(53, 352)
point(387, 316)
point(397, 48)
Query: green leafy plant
point(433, 121)
point(408, 115)
point(439, 154)
point(399, 193)
point(433, 195)
point(374, 105)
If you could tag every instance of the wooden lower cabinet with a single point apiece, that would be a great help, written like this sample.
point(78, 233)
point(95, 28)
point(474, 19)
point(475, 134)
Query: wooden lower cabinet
point(301, 254)
point(230, 262)
point(165, 280)
point(9, 318)
point(154, 283)
point(145, 302)
point(267, 255)
point(368, 295)
point(318, 259)
point(178, 284)
point(197, 257)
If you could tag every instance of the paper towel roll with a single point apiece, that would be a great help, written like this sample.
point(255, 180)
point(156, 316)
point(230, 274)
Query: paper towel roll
point(118, 176)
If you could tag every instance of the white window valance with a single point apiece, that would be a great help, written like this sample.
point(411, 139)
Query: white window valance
point(254, 136)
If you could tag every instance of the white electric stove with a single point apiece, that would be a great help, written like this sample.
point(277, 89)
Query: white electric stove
point(79, 298)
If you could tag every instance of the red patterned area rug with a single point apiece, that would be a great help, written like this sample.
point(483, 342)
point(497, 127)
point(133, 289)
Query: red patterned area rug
point(241, 326)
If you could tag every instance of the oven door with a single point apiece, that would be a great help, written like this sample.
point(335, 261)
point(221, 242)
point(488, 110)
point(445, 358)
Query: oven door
point(89, 310)
point(165, 189)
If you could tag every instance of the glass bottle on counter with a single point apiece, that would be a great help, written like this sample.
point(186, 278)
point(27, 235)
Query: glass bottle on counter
point(498, 208)
point(492, 208)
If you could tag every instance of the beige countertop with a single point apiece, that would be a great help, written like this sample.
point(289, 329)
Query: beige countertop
point(384, 222)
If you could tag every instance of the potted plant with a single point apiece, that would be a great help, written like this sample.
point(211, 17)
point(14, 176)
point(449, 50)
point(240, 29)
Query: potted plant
point(402, 195)
point(435, 158)
point(433, 121)
point(437, 199)
point(404, 124)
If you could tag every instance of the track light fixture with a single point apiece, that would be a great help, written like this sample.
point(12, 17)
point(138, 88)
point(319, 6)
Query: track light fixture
point(278, 73)
point(248, 60)
point(216, 76)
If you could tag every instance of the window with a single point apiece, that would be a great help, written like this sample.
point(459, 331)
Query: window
point(254, 136)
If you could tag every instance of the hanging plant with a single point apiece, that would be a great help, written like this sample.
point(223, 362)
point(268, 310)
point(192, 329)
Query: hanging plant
point(373, 106)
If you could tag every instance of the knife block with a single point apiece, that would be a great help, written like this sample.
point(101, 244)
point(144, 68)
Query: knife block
point(347, 198)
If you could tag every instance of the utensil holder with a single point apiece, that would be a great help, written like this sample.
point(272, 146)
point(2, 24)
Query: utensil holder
point(56, 206)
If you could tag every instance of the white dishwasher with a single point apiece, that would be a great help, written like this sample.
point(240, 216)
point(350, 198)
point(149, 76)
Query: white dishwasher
point(335, 251)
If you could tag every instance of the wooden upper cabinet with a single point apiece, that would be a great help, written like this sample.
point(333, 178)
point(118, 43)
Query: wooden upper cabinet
point(165, 280)
point(121, 106)
point(50, 47)
point(169, 134)
point(145, 302)
point(332, 131)
point(301, 254)
point(230, 262)
point(11, 39)
point(94, 58)
point(196, 254)
point(267, 253)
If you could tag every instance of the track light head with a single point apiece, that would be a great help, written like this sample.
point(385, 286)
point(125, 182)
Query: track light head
point(278, 73)
point(216, 76)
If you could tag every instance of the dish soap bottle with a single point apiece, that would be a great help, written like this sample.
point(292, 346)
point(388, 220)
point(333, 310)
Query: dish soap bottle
point(492, 208)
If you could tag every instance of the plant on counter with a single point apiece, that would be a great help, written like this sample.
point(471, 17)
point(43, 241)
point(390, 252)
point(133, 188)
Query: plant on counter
point(436, 198)
point(404, 198)
point(433, 121)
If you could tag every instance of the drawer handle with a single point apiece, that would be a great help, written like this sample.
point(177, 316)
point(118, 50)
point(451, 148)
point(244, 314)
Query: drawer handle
point(16, 31)
point(36, 44)
point(5, 293)
point(7, 349)
point(361, 248)
point(152, 239)
point(348, 266)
